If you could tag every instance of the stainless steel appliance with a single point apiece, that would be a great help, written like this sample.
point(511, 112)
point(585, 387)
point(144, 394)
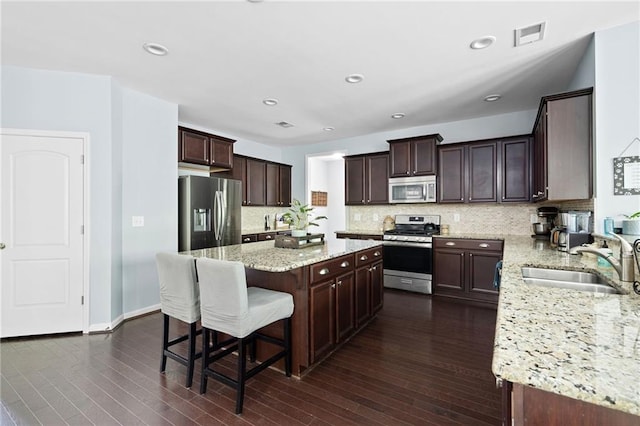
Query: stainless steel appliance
point(208, 212)
point(568, 240)
point(408, 252)
point(417, 189)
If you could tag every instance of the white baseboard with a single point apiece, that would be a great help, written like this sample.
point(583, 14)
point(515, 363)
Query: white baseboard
point(109, 327)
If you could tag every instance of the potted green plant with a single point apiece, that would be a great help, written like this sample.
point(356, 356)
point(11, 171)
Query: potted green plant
point(631, 225)
point(299, 218)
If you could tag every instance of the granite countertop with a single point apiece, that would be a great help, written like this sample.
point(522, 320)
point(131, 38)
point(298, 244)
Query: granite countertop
point(574, 343)
point(265, 257)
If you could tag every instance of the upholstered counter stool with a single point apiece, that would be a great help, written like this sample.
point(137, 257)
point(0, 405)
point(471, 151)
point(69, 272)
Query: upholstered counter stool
point(228, 306)
point(179, 299)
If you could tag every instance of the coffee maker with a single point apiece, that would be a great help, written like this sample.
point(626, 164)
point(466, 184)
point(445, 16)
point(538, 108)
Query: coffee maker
point(542, 228)
point(573, 228)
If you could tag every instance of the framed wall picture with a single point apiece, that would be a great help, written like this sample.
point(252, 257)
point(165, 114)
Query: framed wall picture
point(626, 175)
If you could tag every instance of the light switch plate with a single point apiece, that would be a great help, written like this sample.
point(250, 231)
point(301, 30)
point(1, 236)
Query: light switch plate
point(456, 217)
point(137, 221)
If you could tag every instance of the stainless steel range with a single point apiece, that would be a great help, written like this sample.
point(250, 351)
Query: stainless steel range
point(408, 252)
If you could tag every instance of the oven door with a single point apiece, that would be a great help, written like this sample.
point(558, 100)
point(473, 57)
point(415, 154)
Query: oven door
point(408, 266)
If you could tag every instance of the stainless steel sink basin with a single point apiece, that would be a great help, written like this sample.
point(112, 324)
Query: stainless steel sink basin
point(574, 280)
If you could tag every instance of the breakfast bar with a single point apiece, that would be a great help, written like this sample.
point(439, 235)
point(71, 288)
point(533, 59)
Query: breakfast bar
point(336, 288)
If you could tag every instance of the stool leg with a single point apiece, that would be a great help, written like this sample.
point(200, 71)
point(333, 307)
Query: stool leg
point(165, 341)
point(287, 346)
point(192, 353)
point(205, 360)
point(242, 366)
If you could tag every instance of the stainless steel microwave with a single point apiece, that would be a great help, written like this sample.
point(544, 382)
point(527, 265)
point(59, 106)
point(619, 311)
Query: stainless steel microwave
point(417, 189)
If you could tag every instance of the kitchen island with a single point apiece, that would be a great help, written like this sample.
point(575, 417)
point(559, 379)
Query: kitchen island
point(336, 288)
point(554, 343)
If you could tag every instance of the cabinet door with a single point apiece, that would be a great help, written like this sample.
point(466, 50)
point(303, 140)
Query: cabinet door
point(272, 184)
point(377, 179)
point(345, 318)
point(482, 173)
point(400, 159)
point(285, 186)
point(423, 155)
point(221, 152)
point(255, 175)
point(354, 191)
point(322, 316)
point(540, 157)
point(238, 172)
point(193, 147)
point(482, 267)
point(362, 295)
point(516, 166)
point(449, 272)
point(377, 287)
point(451, 174)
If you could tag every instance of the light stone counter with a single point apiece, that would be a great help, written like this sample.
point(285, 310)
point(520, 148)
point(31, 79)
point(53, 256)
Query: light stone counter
point(264, 256)
point(578, 344)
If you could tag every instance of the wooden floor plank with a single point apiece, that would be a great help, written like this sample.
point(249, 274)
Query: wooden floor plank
point(422, 361)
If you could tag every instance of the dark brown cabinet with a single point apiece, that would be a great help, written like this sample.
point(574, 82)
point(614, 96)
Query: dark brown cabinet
point(369, 296)
point(353, 236)
point(415, 156)
point(202, 148)
point(563, 147)
point(278, 184)
point(331, 304)
point(489, 171)
point(464, 268)
point(468, 173)
point(366, 179)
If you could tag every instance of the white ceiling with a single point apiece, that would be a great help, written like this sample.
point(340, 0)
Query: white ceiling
point(225, 57)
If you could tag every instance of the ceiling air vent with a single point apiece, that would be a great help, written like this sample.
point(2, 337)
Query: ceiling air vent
point(529, 34)
point(284, 124)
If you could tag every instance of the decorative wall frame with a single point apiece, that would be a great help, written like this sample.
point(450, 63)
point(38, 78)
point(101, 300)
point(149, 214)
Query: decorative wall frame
point(318, 198)
point(626, 173)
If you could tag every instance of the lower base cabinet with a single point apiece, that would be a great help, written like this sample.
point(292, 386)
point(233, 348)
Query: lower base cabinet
point(465, 268)
point(524, 405)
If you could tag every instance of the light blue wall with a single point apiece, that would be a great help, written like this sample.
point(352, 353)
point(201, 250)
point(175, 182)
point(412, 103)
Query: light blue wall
point(150, 189)
point(511, 124)
point(585, 75)
point(48, 100)
point(116, 204)
point(617, 116)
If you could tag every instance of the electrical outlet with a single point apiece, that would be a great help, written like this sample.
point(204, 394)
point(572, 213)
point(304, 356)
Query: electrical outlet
point(137, 221)
point(533, 218)
point(357, 217)
point(456, 217)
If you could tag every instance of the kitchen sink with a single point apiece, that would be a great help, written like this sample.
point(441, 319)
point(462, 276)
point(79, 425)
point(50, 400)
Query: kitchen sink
point(560, 278)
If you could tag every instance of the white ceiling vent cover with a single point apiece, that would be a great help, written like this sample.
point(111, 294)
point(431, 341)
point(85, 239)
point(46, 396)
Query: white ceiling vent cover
point(529, 34)
point(284, 124)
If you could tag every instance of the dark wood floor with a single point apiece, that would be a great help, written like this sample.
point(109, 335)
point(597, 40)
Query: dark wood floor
point(422, 361)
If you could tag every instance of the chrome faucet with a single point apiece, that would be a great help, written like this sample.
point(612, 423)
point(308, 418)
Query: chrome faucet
point(624, 267)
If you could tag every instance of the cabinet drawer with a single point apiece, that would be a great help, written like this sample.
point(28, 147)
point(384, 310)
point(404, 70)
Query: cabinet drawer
point(367, 256)
point(330, 268)
point(468, 244)
point(268, 236)
point(249, 238)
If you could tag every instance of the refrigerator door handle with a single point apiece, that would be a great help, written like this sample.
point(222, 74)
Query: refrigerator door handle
point(220, 215)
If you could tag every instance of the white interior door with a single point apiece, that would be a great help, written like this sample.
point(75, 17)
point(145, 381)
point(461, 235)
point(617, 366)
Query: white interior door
point(41, 232)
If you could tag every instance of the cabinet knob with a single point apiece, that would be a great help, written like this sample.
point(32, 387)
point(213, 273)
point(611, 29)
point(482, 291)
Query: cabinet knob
point(483, 245)
point(339, 282)
point(324, 271)
point(376, 254)
point(375, 268)
point(344, 264)
point(333, 286)
point(268, 237)
point(363, 257)
point(461, 199)
point(450, 243)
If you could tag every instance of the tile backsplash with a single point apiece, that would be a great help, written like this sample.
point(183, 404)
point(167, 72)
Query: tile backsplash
point(513, 219)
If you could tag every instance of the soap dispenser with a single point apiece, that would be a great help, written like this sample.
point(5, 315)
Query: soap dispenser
point(601, 260)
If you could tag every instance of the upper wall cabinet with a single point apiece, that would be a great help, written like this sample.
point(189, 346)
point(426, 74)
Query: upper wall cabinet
point(414, 156)
point(263, 182)
point(562, 151)
point(278, 184)
point(366, 179)
point(202, 148)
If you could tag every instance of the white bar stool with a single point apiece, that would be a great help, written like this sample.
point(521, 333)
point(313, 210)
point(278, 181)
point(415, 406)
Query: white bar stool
point(179, 299)
point(228, 306)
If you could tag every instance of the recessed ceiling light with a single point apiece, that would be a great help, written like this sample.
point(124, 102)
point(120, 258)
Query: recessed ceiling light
point(328, 129)
point(492, 98)
point(354, 78)
point(270, 102)
point(397, 115)
point(482, 42)
point(155, 49)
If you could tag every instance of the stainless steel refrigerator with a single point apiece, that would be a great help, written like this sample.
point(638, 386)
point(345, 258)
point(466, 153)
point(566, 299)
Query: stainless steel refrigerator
point(208, 212)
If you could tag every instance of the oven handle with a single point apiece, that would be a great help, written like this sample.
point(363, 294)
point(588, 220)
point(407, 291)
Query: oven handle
point(407, 244)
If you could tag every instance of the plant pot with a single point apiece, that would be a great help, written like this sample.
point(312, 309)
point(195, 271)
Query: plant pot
point(298, 232)
point(631, 227)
